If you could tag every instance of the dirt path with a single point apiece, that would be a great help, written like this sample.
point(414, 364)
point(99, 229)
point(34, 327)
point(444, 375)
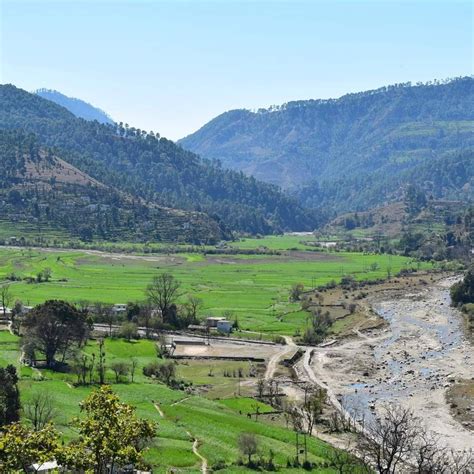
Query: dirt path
point(276, 358)
point(204, 462)
point(180, 401)
point(159, 410)
point(412, 362)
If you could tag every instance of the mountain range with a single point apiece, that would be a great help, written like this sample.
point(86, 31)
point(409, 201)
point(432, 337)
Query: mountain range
point(355, 152)
point(126, 173)
point(78, 107)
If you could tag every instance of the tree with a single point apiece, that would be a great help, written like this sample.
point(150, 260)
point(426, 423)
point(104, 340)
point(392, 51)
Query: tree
point(40, 410)
point(20, 447)
point(109, 317)
point(192, 306)
point(463, 291)
point(133, 367)
point(110, 434)
point(5, 298)
point(45, 274)
point(248, 445)
point(162, 293)
point(320, 324)
point(390, 439)
point(129, 331)
point(145, 318)
point(260, 387)
point(167, 371)
point(398, 442)
point(313, 408)
point(343, 461)
point(101, 361)
point(120, 369)
point(55, 326)
point(9, 395)
point(296, 291)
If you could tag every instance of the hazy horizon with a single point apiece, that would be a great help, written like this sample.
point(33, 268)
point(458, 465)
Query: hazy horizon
point(172, 66)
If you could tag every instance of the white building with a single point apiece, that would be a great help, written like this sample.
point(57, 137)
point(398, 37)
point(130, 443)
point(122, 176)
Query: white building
point(224, 326)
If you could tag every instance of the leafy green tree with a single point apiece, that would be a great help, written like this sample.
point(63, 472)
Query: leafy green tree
point(463, 292)
point(110, 434)
point(5, 298)
point(54, 327)
point(248, 445)
point(129, 331)
point(120, 369)
point(20, 447)
point(9, 395)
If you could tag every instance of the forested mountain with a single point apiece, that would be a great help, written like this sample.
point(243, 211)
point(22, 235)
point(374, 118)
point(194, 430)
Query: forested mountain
point(354, 152)
point(152, 168)
point(78, 107)
point(38, 188)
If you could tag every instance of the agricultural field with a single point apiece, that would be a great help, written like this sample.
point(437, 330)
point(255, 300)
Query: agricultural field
point(181, 417)
point(254, 288)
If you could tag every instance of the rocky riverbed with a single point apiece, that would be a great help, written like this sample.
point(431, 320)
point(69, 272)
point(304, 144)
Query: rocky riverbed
point(412, 362)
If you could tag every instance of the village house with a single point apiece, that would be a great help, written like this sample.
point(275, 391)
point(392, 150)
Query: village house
point(224, 326)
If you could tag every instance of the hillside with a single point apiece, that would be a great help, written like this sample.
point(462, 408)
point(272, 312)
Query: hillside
point(154, 169)
point(353, 152)
point(40, 190)
point(78, 107)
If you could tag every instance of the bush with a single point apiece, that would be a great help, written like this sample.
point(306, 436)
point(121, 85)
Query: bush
point(165, 372)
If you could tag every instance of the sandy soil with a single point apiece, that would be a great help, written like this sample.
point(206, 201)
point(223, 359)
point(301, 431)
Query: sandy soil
point(220, 349)
point(412, 362)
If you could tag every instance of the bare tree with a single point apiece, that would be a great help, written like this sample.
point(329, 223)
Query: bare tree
point(248, 445)
point(313, 408)
point(161, 347)
point(389, 440)
point(192, 306)
point(461, 462)
point(146, 319)
point(260, 387)
point(343, 461)
point(40, 409)
point(5, 298)
point(398, 442)
point(162, 292)
point(109, 317)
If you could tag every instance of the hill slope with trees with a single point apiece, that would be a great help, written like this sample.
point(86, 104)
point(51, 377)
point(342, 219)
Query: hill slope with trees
point(40, 189)
point(154, 169)
point(353, 152)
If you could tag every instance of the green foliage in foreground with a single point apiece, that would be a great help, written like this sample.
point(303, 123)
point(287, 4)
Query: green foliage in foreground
point(215, 425)
point(255, 289)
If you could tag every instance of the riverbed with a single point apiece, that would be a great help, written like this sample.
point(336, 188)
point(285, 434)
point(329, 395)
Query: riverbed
point(412, 362)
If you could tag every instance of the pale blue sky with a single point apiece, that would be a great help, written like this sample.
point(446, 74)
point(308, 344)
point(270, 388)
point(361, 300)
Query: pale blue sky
point(171, 66)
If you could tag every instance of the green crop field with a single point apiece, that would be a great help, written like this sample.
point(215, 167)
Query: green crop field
point(215, 424)
point(254, 288)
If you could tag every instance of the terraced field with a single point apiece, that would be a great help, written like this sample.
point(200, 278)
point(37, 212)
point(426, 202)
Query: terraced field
point(215, 424)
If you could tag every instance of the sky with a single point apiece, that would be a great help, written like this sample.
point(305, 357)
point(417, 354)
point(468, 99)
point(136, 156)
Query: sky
point(171, 66)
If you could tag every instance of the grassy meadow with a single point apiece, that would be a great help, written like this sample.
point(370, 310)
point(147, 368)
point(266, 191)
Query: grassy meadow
point(254, 288)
